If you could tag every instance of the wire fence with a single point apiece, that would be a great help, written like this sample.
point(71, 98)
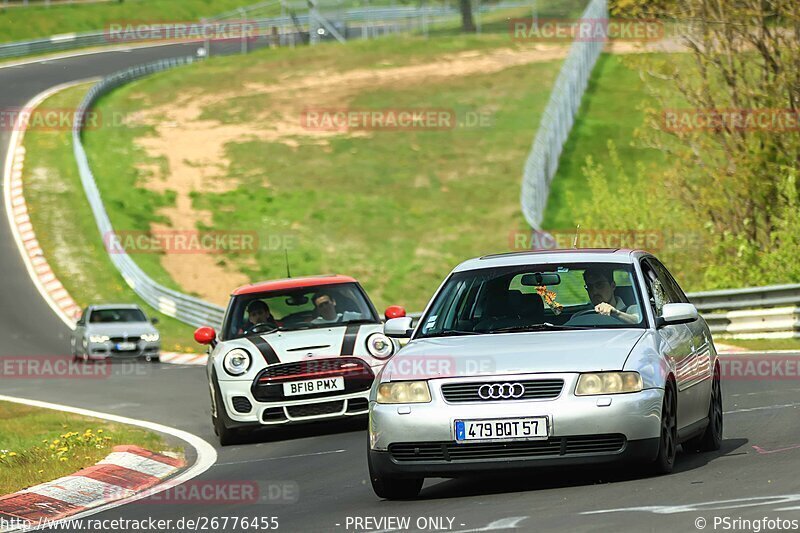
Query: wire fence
point(558, 118)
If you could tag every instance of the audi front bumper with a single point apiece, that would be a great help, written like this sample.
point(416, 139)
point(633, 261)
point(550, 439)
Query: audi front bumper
point(420, 440)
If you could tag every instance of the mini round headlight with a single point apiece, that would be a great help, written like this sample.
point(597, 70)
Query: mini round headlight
point(236, 362)
point(380, 346)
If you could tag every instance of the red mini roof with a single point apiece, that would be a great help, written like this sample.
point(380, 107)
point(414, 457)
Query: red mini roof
point(292, 283)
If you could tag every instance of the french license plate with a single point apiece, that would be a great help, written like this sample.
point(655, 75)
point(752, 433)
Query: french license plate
point(126, 346)
point(313, 386)
point(527, 428)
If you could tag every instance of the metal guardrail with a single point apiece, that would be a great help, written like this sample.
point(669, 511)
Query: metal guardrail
point(369, 21)
point(749, 298)
point(185, 308)
point(557, 119)
point(775, 323)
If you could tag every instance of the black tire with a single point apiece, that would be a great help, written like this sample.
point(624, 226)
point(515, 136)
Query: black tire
point(227, 437)
point(711, 439)
point(152, 359)
point(668, 441)
point(390, 488)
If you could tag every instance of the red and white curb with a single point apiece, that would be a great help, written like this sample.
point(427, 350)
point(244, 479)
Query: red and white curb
point(125, 472)
point(38, 268)
point(43, 277)
point(183, 359)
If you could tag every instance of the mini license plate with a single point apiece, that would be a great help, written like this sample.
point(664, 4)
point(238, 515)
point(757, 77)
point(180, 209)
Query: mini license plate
point(313, 386)
point(126, 346)
point(527, 428)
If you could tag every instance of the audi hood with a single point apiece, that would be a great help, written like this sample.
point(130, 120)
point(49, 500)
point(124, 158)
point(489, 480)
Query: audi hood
point(513, 353)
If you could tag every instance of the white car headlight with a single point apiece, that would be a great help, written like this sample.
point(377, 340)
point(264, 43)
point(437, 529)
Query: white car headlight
point(99, 338)
point(608, 383)
point(380, 346)
point(404, 392)
point(236, 362)
point(151, 337)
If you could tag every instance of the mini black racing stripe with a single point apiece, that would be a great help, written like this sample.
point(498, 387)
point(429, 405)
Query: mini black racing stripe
point(266, 349)
point(349, 342)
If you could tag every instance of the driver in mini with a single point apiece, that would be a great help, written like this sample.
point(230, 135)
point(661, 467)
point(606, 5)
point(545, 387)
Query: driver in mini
point(326, 312)
point(257, 313)
point(599, 284)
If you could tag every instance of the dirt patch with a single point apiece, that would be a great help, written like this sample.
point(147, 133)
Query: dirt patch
point(194, 148)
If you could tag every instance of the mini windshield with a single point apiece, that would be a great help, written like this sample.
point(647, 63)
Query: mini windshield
point(295, 309)
point(105, 316)
point(535, 298)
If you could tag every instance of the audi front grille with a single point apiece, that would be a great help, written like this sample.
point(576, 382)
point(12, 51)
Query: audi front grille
point(450, 452)
point(480, 391)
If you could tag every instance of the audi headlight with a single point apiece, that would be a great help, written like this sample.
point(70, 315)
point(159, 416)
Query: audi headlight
point(236, 362)
point(608, 383)
point(99, 338)
point(404, 392)
point(380, 346)
point(151, 337)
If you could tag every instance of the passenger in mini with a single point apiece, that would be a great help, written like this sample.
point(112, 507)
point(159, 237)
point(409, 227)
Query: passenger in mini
point(325, 309)
point(257, 313)
point(599, 284)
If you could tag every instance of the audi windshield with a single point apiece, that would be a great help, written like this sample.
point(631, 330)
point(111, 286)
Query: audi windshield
point(535, 298)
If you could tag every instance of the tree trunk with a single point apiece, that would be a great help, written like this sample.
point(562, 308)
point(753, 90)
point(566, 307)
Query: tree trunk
point(467, 24)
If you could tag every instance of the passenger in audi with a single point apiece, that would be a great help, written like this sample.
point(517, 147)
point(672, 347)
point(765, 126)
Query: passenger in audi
point(599, 284)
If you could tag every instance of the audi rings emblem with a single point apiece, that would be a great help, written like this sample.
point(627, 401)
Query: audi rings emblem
point(501, 391)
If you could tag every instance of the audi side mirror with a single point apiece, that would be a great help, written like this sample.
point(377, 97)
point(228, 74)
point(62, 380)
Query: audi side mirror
point(398, 328)
point(680, 313)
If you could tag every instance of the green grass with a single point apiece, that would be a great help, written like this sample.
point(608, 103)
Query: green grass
point(395, 209)
point(65, 226)
point(612, 109)
point(19, 23)
point(764, 344)
point(39, 445)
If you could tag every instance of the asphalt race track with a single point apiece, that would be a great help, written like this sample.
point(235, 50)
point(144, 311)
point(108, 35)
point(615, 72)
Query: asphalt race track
point(315, 479)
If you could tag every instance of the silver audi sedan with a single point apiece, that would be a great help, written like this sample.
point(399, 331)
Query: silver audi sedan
point(547, 358)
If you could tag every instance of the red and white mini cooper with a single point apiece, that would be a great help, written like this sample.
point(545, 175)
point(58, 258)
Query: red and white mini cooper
point(294, 350)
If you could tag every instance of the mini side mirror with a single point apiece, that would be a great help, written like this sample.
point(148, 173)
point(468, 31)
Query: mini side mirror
point(205, 335)
point(394, 311)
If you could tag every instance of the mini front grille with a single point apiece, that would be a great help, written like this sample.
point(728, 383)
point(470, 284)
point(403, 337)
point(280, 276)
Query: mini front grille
point(273, 414)
point(470, 451)
point(313, 367)
point(537, 389)
point(315, 409)
point(268, 385)
point(242, 404)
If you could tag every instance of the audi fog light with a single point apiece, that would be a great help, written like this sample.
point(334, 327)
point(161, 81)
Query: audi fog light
point(608, 383)
point(404, 392)
point(236, 362)
point(380, 346)
point(99, 338)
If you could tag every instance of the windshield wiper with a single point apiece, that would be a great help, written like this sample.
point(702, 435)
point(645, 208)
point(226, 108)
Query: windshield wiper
point(451, 333)
point(545, 326)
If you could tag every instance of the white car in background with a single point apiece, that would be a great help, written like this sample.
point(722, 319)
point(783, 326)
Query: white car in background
point(312, 356)
point(115, 331)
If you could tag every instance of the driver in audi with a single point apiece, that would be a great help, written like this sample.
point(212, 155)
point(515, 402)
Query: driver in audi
point(599, 284)
point(257, 313)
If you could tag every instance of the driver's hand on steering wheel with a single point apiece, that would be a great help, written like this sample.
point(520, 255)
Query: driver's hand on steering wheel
point(605, 308)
